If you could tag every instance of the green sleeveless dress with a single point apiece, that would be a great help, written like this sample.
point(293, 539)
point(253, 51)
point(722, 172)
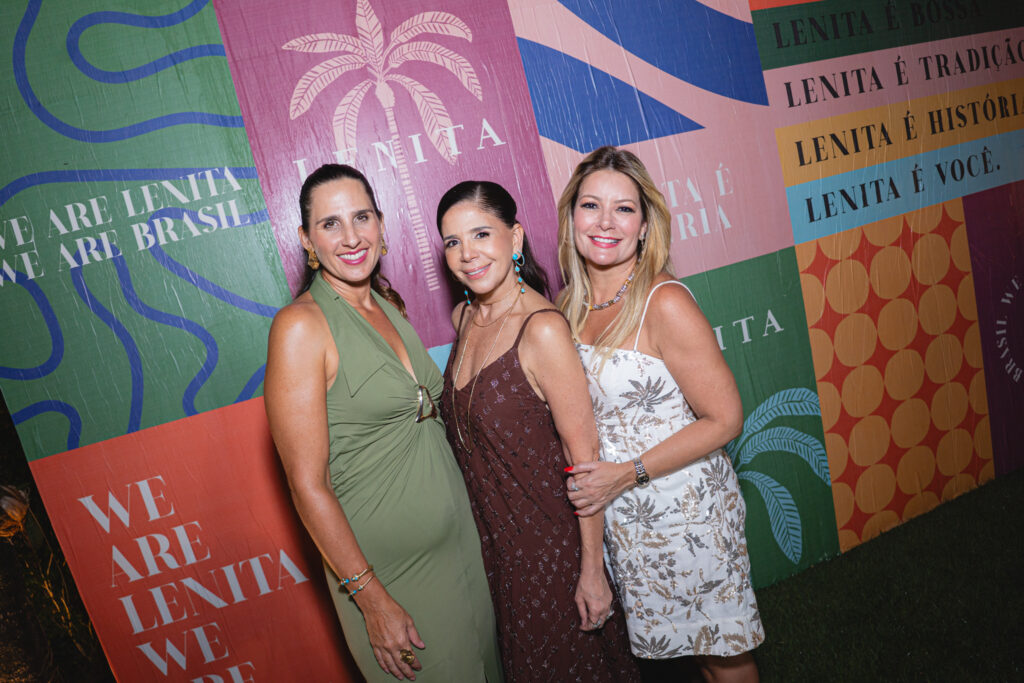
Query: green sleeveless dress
point(402, 492)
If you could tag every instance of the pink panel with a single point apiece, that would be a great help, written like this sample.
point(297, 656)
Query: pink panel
point(452, 105)
point(723, 183)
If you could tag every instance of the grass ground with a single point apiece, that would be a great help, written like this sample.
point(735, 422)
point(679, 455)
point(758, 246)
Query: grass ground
point(936, 599)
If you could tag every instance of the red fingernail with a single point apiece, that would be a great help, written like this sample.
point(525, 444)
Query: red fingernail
point(575, 513)
point(568, 469)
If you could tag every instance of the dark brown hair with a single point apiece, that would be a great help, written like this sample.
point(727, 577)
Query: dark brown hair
point(326, 174)
point(495, 200)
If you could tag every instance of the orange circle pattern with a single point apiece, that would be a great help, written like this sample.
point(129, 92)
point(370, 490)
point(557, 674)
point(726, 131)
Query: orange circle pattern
point(897, 355)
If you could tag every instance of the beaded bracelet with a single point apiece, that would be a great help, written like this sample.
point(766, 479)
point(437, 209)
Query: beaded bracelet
point(344, 582)
point(352, 594)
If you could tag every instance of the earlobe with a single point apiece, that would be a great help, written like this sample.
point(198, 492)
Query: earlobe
point(303, 239)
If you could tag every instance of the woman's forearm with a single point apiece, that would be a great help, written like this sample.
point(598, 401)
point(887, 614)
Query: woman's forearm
point(592, 544)
point(328, 526)
point(689, 444)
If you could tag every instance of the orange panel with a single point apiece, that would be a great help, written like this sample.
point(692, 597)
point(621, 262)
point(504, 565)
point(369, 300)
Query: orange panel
point(189, 557)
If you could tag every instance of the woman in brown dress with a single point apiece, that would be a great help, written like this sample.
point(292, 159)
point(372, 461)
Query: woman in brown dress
point(516, 409)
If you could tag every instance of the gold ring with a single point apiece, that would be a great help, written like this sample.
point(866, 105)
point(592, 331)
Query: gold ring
point(407, 656)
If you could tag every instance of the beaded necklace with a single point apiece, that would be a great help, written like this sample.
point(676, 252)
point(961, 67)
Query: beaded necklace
point(618, 295)
point(472, 388)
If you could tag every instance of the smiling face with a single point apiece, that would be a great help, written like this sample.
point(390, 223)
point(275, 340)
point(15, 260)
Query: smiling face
point(478, 247)
point(608, 219)
point(344, 231)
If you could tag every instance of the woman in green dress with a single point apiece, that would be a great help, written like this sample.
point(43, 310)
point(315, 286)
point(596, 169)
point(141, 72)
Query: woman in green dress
point(350, 394)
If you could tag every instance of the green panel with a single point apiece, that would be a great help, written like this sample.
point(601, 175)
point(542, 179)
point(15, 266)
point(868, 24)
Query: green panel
point(809, 32)
point(140, 333)
point(756, 308)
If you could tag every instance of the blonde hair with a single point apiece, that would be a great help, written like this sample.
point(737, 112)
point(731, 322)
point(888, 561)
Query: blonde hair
point(652, 258)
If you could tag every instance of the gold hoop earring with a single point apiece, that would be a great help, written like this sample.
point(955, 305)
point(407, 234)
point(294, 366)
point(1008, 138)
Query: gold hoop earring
point(383, 248)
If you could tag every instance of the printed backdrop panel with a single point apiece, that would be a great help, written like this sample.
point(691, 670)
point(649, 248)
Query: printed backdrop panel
point(133, 236)
point(780, 457)
point(189, 557)
point(897, 353)
point(995, 231)
point(886, 114)
point(418, 99)
point(685, 93)
point(806, 32)
point(879, 360)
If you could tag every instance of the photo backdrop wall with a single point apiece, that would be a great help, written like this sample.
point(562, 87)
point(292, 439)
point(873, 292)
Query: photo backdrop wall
point(846, 186)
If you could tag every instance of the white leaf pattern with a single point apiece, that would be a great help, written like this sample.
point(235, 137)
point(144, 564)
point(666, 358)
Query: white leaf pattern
point(371, 36)
point(318, 78)
point(677, 548)
point(346, 115)
point(423, 51)
point(439, 23)
point(324, 42)
point(432, 112)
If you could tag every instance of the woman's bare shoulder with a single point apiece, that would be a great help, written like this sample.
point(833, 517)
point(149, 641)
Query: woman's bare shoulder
point(301, 319)
point(548, 327)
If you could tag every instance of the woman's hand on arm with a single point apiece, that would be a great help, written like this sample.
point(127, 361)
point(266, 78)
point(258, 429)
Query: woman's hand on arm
point(550, 360)
point(300, 359)
point(594, 485)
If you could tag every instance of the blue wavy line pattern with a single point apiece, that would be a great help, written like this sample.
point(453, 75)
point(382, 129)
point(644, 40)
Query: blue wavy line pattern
point(688, 40)
point(582, 107)
point(199, 281)
point(131, 349)
point(52, 325)
point(96, 136)
point(130, 346)
point(177, 322)
point(51, 406)
point(99, 174)
point(126, 19)
point(252, 385)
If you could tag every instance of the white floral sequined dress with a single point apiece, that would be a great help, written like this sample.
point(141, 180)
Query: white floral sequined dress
point(676, 547)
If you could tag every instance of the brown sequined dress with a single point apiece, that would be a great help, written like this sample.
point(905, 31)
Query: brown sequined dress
point(529, 535)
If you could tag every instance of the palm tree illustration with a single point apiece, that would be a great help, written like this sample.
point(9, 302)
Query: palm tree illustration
point(758, 438)
point(367, 50)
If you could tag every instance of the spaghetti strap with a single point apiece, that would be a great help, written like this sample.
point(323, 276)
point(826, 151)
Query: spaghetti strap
point(636, 342)
point(526, 322)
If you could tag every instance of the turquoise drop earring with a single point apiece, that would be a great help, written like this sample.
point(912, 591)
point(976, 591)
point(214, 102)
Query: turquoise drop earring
point(466, 292)
point(519, 260)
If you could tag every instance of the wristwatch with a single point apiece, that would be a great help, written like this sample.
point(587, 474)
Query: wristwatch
point(642, 478)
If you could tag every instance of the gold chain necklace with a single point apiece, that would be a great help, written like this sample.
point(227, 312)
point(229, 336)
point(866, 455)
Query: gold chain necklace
point(472, 388)
point(473, 319)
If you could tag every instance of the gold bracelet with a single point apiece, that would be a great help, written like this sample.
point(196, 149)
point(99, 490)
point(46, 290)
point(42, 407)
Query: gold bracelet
point(352, 594)
point(344, 582)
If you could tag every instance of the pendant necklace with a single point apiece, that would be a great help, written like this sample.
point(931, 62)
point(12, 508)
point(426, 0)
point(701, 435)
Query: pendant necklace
point(472, 388)
point(618, 295)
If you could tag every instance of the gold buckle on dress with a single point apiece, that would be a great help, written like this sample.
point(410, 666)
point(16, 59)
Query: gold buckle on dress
point(423, 395)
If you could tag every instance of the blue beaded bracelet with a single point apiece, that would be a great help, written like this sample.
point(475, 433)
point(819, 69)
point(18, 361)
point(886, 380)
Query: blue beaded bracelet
point(352, 594)
point(351, 579)
point(343, 583)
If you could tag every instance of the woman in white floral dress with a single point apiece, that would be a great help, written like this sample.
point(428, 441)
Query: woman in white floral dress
point(665, 403)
